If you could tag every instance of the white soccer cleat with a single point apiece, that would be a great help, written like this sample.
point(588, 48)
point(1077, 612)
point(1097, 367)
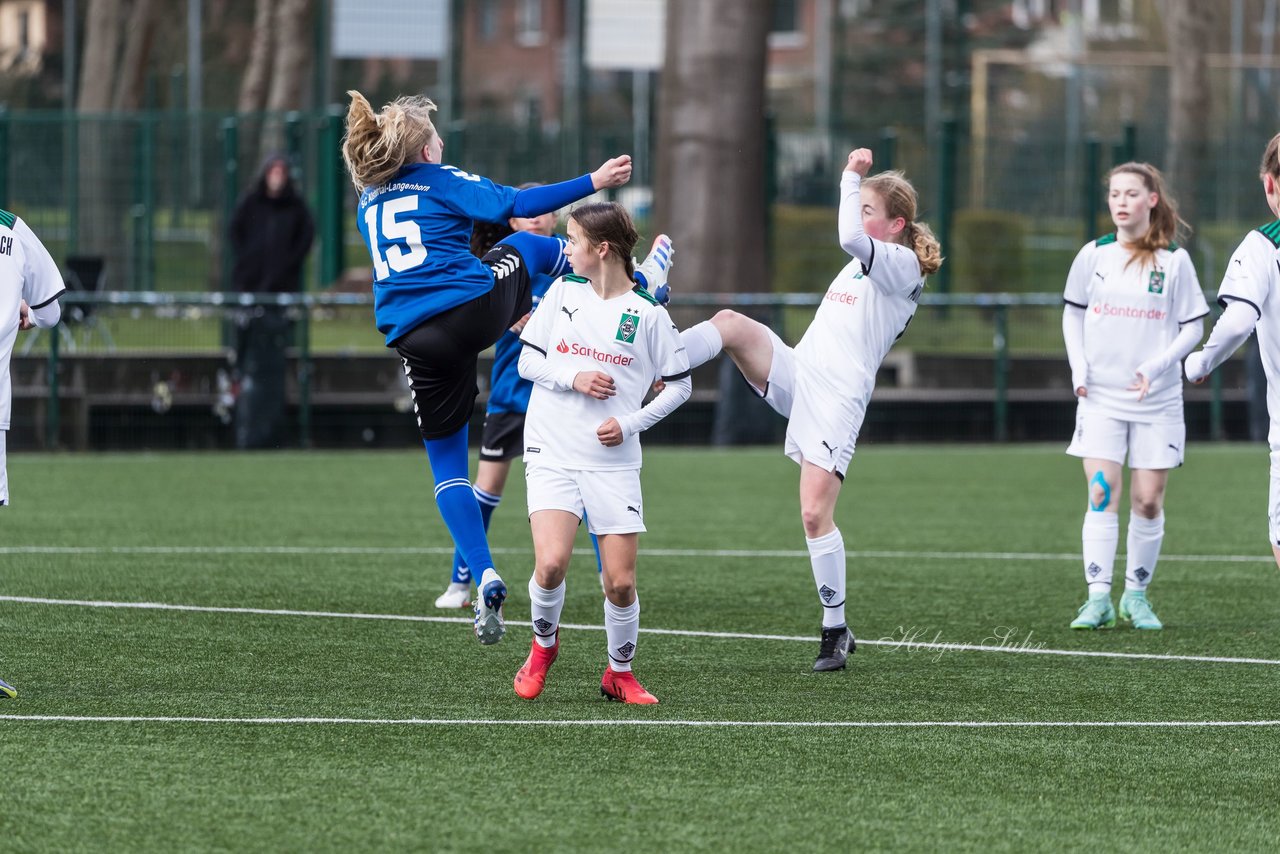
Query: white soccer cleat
point(656, 267)
point(455, 596)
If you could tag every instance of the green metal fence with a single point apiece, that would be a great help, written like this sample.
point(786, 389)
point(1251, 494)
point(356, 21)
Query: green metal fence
point(156, 370)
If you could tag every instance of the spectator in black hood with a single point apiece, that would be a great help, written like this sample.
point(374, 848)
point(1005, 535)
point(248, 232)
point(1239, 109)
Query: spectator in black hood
point(271, 233)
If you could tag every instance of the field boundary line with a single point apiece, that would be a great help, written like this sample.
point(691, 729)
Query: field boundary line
point(605, 722)
point(909, 644)
point(657, 552)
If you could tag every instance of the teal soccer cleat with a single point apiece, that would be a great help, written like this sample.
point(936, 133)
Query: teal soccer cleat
point(1096, 613)
point(1135, 608)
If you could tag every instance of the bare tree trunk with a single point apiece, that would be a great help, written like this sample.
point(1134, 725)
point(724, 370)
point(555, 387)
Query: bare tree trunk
point(292, 56)
point(132, 74)
point(101, 51)
point(1187, 26)
point(253, 86)
point(711, 146)
point(102, 176)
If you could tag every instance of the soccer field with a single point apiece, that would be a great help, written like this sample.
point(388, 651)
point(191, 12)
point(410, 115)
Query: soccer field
point(239, 652)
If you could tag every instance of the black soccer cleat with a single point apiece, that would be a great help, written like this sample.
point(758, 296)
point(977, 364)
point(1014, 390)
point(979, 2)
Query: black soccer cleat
point(837, 645)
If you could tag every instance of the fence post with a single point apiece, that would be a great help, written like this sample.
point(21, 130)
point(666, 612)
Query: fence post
point(332, 177)
point(1000, 342)
point(305, 369)
point(144, 207)
point(1092, 179)
point(887, 149)
point(4, 157)
point(71, 180)
point(946, 195)
point(52, 425)
point(230, 191)
point(177, 148)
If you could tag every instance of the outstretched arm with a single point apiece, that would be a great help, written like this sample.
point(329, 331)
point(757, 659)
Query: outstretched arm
point(1231, 330)
point(536, 201)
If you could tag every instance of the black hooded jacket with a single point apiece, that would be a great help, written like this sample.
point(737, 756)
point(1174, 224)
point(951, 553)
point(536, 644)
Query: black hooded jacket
point(270, 237)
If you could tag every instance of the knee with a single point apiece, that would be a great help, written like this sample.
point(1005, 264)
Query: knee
point(550, 569)
point(729, 323)
point(1147, 506)
point(1099, 493)
point(816, 520)
point(621, 593)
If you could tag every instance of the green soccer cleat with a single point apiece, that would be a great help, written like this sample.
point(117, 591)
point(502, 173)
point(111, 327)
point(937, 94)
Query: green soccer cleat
point(7, 690)
point(1096, 613)
point(1135, 608)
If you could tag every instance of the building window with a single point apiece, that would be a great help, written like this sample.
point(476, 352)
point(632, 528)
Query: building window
point(529, 22)
point(489, 20)
point(785, 30)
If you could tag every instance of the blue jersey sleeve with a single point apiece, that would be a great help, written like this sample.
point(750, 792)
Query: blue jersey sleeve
point(536, 201)
point(542, 255)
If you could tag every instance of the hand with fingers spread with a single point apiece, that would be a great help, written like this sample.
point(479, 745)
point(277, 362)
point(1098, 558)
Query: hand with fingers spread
point(595, 384)
point(1141, 384)
point(612, 173)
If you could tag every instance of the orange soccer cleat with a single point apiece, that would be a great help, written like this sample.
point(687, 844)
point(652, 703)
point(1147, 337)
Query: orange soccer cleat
point(623, 687)
point(532, 676)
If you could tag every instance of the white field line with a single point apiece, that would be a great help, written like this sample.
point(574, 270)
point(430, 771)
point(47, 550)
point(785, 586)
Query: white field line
point(111, 719)
point(906, 643)
point(693, 553)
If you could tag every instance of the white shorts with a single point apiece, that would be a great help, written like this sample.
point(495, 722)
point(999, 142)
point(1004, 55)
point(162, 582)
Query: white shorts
point(611, 500)
point(4, 476)
point(1273, 501)
point(822, 422)
point(1149, 446)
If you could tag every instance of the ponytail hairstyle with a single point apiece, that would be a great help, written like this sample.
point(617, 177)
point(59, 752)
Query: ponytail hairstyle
point(378, 145)
point(609, 222)
point(900, 200)
point(1166, 226)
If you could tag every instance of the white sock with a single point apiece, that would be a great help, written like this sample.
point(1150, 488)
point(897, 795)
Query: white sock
point(622, 630)
point(702, 342)
point(1145, 538)
point(544, 609)
point(1100, 535)
point(826, 553)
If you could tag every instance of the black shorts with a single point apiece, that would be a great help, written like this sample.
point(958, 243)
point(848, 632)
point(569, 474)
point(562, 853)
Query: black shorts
point(502, 437)
point(440, 353)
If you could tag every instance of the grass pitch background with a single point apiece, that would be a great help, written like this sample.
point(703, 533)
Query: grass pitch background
point(207, 530)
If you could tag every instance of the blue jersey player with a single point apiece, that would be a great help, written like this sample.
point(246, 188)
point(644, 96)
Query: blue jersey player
point(437, 304)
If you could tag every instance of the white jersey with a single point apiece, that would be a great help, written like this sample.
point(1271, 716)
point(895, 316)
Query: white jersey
point(1253, 277)
point(864, 311)
point(1132, 314)
point(27, 272)
point(630, 337)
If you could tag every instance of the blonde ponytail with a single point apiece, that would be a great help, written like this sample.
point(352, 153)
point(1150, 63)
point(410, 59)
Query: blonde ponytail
point(899, 198)
point(378, 145)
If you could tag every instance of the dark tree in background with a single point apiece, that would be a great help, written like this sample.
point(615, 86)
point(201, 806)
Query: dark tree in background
point(1188, 28)
point(709, 192)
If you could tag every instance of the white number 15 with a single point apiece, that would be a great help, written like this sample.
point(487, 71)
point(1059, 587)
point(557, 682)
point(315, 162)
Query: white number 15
point(407, 230)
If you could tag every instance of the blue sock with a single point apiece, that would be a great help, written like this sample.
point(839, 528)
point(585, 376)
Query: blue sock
point(488, 503)
point(595, 544)
point(456, 500)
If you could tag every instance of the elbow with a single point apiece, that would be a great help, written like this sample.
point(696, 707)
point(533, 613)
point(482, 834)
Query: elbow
point(47, 317)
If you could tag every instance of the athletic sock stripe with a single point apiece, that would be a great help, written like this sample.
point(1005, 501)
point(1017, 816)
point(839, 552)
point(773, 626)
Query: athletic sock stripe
point(486, 497)
point(452, 484)
point(836, 605)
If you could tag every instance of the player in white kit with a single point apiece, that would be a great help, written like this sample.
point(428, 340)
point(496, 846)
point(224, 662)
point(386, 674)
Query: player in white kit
point(1250, 296)
point(30, 285)
point(1133, 309)
point(593, 349)
point(824, 384)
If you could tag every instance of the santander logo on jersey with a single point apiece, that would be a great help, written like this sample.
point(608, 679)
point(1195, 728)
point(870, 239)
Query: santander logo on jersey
point(1106, 309)
point(576, 349)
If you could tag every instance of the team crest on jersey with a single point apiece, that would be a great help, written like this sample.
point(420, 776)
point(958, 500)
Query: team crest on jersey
point(1156, 284)
point(627, 327)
